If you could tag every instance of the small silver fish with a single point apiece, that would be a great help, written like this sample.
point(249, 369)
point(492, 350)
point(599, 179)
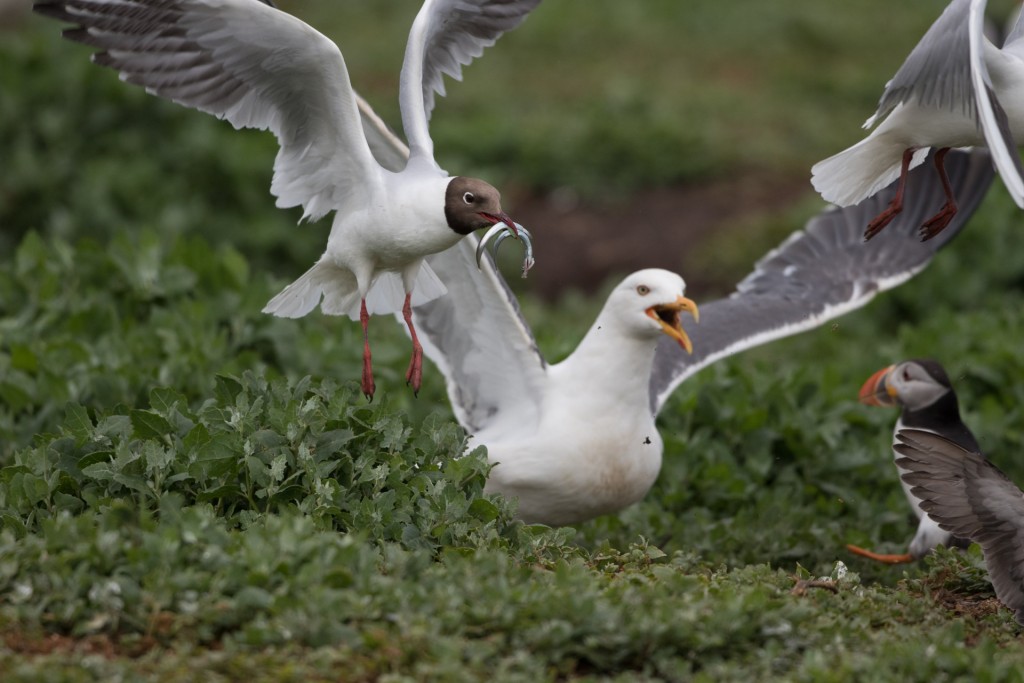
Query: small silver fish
point(503, 232)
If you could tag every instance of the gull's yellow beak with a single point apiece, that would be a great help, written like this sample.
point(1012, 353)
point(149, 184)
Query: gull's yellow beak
point(668, 316)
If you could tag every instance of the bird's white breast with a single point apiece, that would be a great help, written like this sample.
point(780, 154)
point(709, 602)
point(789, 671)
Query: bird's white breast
point(592, 454)
point(398, 223)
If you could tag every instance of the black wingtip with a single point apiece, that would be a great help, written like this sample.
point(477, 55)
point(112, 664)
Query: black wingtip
point(80, 35)
point(55, 9)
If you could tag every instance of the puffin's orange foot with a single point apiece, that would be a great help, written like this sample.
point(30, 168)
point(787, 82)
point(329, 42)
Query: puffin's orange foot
point(885, 559)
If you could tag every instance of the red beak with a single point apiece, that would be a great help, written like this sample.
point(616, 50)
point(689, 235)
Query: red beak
point(502, 218)
point(876, 391)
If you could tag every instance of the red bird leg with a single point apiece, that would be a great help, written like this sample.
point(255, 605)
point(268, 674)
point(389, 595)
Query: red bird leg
point(937, 223)
point(896, 205)
point(367, 385)
point(414, 375)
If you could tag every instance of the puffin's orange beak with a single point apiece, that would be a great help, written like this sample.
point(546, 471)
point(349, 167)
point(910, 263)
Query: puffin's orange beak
point(877, 391)
point(668, 316)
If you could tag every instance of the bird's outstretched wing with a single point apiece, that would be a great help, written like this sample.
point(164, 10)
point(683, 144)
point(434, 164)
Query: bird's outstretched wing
point(937, 72)
point(447, 35)
point(387, 148)
point(992, 117)
point(478, 338)
point(246, 62)
point(825, 270)
point(968, 496)
point(947, 70)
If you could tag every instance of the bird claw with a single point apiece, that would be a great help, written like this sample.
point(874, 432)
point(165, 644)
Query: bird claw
point(503, 232)
point(937, 223)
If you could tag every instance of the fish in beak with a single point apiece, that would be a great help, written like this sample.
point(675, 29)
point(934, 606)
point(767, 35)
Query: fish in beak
point(669, 317)
point(878, 390)
point(503, 230)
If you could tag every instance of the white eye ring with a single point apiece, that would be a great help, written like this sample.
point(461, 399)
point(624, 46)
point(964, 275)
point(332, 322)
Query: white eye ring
point(468, 198)
point(643, 290)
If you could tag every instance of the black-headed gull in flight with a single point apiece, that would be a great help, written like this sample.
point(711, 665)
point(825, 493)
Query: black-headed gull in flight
point(578, 439)
point(970, 497)
point(258, 67)
point(956, 89)
point(925, 396)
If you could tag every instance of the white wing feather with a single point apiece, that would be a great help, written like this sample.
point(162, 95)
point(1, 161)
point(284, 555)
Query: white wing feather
point(445, 36)
point(991, 114)
point(250, 64)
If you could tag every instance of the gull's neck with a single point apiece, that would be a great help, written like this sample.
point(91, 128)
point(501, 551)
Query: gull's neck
point(611, 363)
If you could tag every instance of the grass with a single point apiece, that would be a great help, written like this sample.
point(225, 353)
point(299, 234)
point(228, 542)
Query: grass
point(190, 489)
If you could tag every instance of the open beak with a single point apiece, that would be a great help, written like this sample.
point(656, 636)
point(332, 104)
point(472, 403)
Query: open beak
point(501, 218)
point(878, 391)
point(668, 316)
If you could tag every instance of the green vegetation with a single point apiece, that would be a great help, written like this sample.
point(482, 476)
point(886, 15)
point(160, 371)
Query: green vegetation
point(192, 490)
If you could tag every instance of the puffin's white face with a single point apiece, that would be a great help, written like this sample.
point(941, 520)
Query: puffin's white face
point(650, 302)
point(909, 384)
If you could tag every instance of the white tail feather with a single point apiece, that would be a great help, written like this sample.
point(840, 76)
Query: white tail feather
point(323, 281)
point(860, 171)
point(339, 292)
point(387, 293)
point(428, 286)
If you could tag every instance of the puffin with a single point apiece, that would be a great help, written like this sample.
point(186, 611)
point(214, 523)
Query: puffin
point(922, 390)
point(971, 498)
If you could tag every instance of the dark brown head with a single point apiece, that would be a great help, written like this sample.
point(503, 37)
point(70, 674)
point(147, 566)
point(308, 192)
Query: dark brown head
point(471, 204)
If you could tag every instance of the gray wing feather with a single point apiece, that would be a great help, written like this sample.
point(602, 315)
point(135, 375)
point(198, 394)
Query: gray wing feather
point(990, 113)
point(969, 496)
point(245, 62)
point(462, 31)
point(387, 148)
point(825, 270)
point(937, 72)
point(445, 36)
point(478, 338)
point(1017, 30)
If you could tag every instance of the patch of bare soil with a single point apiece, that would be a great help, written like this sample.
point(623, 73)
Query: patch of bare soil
point(974, 606)
point(33, 642)
point(581, 244)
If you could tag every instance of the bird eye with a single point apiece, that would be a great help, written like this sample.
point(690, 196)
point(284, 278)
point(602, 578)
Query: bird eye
point(906, 375)
point(643, 290)
point(468, 198)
